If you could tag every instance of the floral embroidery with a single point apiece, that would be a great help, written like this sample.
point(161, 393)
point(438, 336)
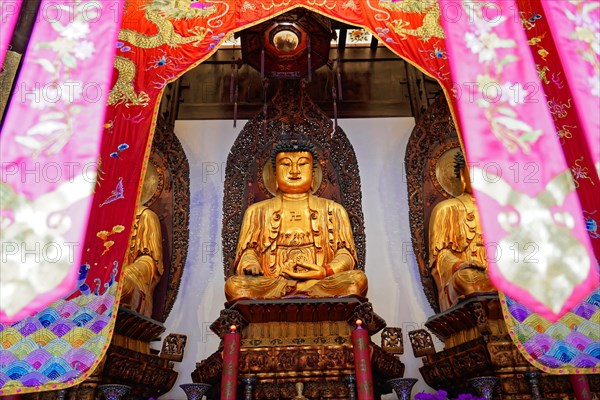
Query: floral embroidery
point(587, 33)
point(359, 36)
point(61, 98)
point(499, 99)
point(104, 235)
point(120, 148)
point(39, 224)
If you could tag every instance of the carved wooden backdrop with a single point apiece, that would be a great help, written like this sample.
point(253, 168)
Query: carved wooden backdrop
point(291, 113)
point(169, 198)
point(430, 143)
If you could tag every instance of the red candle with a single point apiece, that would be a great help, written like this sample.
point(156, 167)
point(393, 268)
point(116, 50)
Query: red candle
point(581, 387)
point(231, 357)
point(362, 362)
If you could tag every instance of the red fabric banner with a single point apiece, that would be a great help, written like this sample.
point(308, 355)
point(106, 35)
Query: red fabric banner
point(362, 363)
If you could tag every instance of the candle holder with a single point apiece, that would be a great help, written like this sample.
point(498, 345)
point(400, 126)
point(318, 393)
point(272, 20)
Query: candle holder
point(534, 382)
point(249, 383)
point(195, 391)
point(402, 387)
point(485, 385)
point(350, 381)
point(114, 391)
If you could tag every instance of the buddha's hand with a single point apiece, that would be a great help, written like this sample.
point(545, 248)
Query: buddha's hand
point(254, 269)
point(311, 271)
point(287, 267)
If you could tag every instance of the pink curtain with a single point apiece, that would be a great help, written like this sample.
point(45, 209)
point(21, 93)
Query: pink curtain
point(575, 27)
point(49, 148)
point(506, 126)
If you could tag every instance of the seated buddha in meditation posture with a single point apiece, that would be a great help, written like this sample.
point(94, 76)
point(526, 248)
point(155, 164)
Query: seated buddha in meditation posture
point(295, 244)
point(457, 256)
point(144, 264)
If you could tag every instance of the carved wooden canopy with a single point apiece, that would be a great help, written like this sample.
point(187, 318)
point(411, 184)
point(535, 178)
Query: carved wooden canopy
point(290, 114)
point(428, 161)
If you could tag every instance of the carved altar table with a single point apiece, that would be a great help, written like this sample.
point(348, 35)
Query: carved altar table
point(299, 340)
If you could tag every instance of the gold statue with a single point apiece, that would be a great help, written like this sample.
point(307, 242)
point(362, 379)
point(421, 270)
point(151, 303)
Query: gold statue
point(144, 264)
point(457, 256)
point(295, 244)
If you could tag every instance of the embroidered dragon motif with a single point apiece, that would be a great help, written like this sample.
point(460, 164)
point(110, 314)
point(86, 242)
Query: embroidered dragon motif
point(431, 26)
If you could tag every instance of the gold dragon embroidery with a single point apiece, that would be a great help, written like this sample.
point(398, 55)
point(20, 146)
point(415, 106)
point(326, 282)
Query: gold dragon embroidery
point(123, 91)
point(166, 34)
point(431, 26)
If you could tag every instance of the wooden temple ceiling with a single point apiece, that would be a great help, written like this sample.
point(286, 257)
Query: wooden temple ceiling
point(375, 83)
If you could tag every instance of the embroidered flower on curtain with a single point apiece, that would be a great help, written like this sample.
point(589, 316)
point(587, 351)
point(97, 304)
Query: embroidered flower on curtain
point(587, 32)
point(60, 98)
point(498, 98)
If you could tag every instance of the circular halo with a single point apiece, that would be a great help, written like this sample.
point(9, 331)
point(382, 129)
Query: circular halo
point(152, 186)
point(268, 176)
point(286, 41)
point(444, 173)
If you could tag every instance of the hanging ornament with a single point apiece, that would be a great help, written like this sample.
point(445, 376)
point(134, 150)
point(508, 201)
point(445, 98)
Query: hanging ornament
point(231, 80)
point(334, 95)
point(338, 68)
point(235, 97)
point(309, 59)
point(264, 124)
point(262, 63)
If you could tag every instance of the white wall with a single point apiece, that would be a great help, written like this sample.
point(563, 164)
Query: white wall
point(394, 283)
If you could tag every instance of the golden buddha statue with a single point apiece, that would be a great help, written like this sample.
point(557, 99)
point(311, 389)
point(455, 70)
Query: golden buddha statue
point(295, 244)
point(457, 257)
point(144, 264)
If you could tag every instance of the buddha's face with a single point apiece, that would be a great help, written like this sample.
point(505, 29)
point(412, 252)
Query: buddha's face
point(294, 171)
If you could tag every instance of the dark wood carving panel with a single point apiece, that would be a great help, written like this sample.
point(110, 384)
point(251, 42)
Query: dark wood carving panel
point(147, 374)
point(171, 202)
point(433, 135)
